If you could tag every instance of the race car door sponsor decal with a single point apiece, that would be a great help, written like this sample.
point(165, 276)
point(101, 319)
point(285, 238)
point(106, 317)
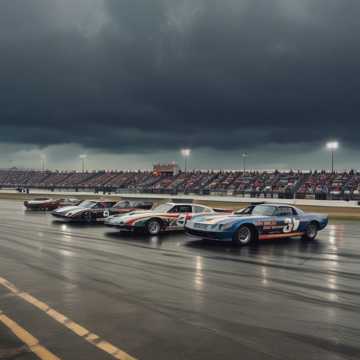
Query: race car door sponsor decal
point(268, 226)
point(172, 221)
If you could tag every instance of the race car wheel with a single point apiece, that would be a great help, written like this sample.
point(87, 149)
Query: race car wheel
point(244, 235)
point(153, 227)
point(311, 231)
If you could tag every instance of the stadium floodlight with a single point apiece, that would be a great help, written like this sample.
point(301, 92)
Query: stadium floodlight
point(43, 160)
point(332, 146)
point(83, 158)
point(186, 154)
point(244, 156)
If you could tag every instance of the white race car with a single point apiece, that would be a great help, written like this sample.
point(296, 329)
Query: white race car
point(168, 216)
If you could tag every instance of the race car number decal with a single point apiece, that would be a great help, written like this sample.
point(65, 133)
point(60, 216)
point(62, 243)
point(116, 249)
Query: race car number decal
point(291, 224)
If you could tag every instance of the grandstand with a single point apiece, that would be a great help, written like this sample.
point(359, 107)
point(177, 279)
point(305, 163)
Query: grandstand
point(258, 184)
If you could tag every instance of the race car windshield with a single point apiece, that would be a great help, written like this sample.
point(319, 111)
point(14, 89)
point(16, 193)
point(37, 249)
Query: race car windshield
point(245, 211)
point(263, 210)
point(87, 204)
point(164, 208)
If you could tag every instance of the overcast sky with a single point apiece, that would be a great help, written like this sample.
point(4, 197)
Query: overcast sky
point(130, 82)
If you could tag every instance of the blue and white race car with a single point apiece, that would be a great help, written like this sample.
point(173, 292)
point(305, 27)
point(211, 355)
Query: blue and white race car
point(257, 222)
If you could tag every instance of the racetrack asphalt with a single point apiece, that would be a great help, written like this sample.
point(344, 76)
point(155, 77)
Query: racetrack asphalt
point(166, 298)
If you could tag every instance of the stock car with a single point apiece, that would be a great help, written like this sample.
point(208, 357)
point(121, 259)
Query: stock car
point(48, 204)
point(257, 222)
point(168, 216)
point(88, 211)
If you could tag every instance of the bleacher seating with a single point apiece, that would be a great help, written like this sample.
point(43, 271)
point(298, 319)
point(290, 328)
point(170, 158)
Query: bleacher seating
point(277, 184)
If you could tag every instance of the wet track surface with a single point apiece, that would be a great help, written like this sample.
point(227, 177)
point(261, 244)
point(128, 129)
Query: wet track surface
point(165, 298)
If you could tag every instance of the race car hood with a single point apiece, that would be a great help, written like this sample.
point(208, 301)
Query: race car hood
point(66, 209)
point(35, 202)
point(129, 217)
point(135, 213)
point(216, 220)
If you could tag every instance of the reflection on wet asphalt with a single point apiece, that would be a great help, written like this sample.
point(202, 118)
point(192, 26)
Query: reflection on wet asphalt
point(166, 298)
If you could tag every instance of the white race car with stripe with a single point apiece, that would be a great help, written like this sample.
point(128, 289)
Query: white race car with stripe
point(168, 216)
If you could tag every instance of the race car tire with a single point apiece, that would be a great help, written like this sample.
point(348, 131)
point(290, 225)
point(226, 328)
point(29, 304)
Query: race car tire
point(153, 227)
point(311, 231)
point(244, 235)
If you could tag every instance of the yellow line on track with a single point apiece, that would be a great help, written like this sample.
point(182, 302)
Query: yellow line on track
point(30, 341)
point(79, 330)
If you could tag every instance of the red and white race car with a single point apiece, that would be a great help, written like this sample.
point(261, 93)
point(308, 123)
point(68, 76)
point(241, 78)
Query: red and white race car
point(168, 216)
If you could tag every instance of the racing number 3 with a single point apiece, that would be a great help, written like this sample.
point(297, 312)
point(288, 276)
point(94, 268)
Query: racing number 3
point(291, 224)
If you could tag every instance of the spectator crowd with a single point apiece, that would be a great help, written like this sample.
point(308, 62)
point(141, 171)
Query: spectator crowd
point(277, 184)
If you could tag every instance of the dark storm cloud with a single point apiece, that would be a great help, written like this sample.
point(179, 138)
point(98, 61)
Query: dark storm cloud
point(162, 74)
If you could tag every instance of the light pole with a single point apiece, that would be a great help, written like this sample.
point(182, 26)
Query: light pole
point(244, 156)
point(186, 153)
point(43, 159)
point(83, 158)
point(332, 146)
